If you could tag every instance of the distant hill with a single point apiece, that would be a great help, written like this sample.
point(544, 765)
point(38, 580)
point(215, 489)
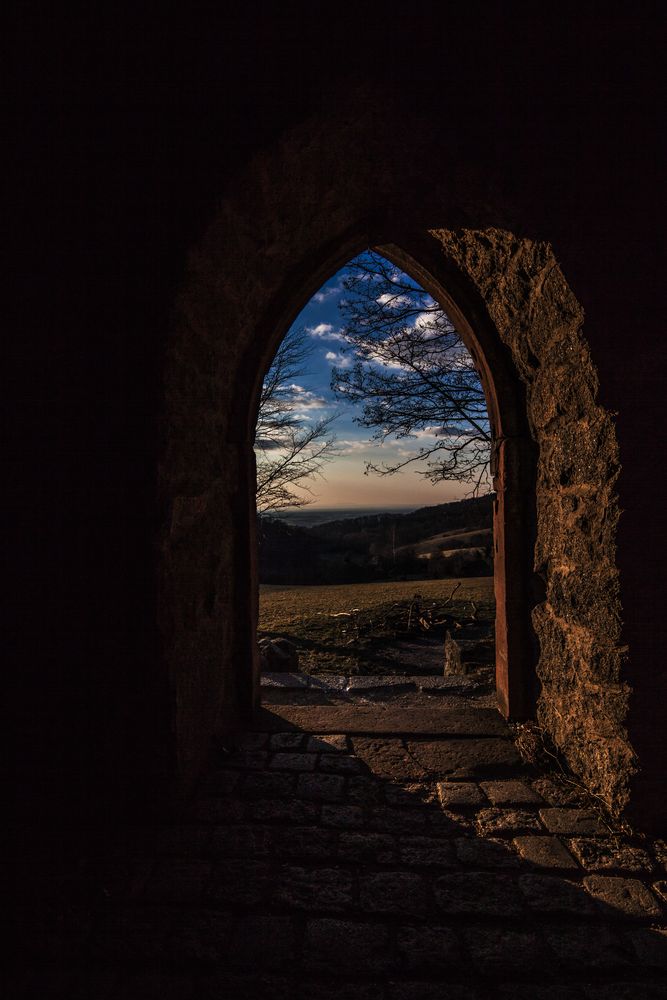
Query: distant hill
point(451, 539)
point(461, 515)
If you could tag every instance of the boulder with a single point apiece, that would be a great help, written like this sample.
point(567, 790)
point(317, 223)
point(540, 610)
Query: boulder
point(278, 656)
point(453, 662)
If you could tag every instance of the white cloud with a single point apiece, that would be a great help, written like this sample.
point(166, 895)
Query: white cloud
point(393, 301)
point(325, 331)
point(304, 399)
point(327, 293)
point(425, 321)
point(350, 447)
point(338, 358)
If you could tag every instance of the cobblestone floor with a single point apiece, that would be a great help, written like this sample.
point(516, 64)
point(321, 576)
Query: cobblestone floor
point(357, 867)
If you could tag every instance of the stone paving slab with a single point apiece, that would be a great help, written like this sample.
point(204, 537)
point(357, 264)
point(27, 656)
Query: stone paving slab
point(372, 682)
point(467, 758)
point(327, 682)
point(360, 719)
point(361, 683)
point(283, 680)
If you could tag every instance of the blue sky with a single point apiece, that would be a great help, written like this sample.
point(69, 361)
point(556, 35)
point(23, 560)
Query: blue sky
point(343, 483)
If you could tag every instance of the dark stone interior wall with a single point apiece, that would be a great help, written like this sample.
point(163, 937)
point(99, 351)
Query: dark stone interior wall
point(123, 141)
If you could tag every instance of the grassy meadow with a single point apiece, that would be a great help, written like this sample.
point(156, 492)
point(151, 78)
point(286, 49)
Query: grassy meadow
point(349, 628)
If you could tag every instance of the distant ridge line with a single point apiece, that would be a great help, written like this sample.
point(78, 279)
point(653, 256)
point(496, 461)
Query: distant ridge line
point(316, 517)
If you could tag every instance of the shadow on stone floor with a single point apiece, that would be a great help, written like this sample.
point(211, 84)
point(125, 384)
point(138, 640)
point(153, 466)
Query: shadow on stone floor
point(367, 867)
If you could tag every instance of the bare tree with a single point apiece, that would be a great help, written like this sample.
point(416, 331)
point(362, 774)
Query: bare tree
point(290, 448)
point(412, 376)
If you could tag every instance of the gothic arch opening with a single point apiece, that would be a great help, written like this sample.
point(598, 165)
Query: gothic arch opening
point(512, 470)
point(556, 464)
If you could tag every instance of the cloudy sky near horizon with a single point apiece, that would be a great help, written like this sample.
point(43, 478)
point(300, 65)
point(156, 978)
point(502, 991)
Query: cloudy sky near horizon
point(343, 483)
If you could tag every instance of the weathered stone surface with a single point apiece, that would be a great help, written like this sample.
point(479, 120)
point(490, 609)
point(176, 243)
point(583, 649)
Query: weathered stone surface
point(339, 763)
point(270, 940)
point(321, 787)
point(623, 898)
point(222, 782)
point(266, 785)
point(202, 936)
point(371, 683)
point(598, 950)
point(223, 984)
point(387, 820)
point(534, 991)
point(445, 823)
point(283, 811)
point(473, 757)
point(371, 848)
point(240, 841)
point(351, 947)
point(328, 682)
point(625, 991)
point(460, 794)
point(394, 892)
point(446, 684)
point(388, 759)
point(277, 654)
point(428, 949)
point(335, 743)
point(573, 822)
point(116, 881)
point(340, 990)
point(293, 761)
point(283, 679)
point(427, 851)
point(388, 720)
point(479, 893)
point(186, 841)
point(510, 793)
point(254, 741)
point(305, 842)
point(431, 991)
point(247, 760)
point(660, 889)
point(287, 741)
point(129, 934)
point(609, 855)
point(550, 894)
point(145, 986)
point(413, 794)
point(559, 792)
point(216, 810)
point(453, 663)
point(497, 821)
point(239, 881)
point(321, 889)
point(650, 946)
point(178, 882)
point(660, 851)
point(477, 853)
point(342, 816)
point(545, 852)
point(498, 951)
point(365, 791)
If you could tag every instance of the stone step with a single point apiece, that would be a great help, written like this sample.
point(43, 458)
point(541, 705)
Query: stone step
point(364, 683)
point(381, 719)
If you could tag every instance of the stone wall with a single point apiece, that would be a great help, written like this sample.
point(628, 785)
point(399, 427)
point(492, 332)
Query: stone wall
point(583, 700)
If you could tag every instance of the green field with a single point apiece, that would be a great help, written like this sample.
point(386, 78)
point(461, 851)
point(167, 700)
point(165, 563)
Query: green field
point(351, 629)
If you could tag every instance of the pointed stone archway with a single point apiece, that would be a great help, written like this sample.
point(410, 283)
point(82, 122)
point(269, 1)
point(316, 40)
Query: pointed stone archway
point(286, 227)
